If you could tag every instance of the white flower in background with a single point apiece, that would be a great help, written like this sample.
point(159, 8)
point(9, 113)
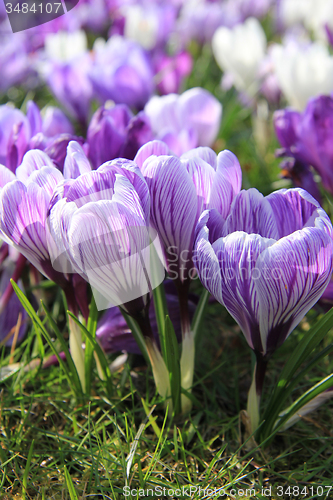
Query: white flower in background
point(239, 52)
point(319, 15)
point(64, 47)
point(313, 14)
point(294, 11)
point(141, 25)
point(303, 72)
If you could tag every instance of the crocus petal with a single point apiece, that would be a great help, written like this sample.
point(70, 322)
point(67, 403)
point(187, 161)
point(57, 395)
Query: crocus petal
point(298, 268)
point(252, 213)
point(174, 205)
point(292, 209)
point(47, 178)
point(32, 160)
point(286, 123)
point(6, 176)
point(76, 162)
point(227, 182)
point(157, 148)
point(34, 117)
point(105, 242)
point(202, 175)
point(237, 254)
point(23, 212)
point(200, 108)
point(203, 152)
point(207, 263)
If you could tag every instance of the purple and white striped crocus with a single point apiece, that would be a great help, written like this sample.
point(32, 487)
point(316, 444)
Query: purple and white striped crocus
point(180, 189)
point(268, 263)
point(24, 203)
point(100, 223)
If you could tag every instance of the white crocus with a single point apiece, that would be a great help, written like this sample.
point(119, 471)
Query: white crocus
point(303, 72)
point(239, 52)
point(294, 11)
point(141, 25)
point(65, 47)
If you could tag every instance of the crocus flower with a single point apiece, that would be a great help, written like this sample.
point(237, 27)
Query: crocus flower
point(307, 136)
point(239, 52)
point(116, 133)
point(198, 20)
point(65, 65)
point(24, 225)
point(186, 121)
point(268, 263)
point(148, 25)
point(180, 189)
point(15, 61)
point(100, 223)
point(56, 122)
point(20, 133)
point(303, 72)
point(122, 72)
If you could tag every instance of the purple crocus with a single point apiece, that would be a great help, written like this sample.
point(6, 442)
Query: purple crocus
point(116, 133)
point(267, 262)
point(24, 202)
point(186, 121)
point(100, 224)
point(20, 133)
point(122, 72)
point(180, 189)
point(307, 136)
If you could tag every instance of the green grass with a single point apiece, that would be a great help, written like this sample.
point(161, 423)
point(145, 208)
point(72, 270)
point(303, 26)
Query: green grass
point(91, 439)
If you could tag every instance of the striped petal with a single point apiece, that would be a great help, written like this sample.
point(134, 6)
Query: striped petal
point(174, 205)
point(6, 176)
point(76, 162)
point(252, 213)
point(46, 178)
point(157, 148)
point(107, 243)
point(207, 264)
point(237, 255)
point(292, 209)
point(202, 175)
point(32, 160)
point(23, 211)
point(227, 182)
point(298, 269)
point(203, 152)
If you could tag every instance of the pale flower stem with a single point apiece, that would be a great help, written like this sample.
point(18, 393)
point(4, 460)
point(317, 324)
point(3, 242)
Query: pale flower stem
point(188, 347)
point(76, 350)
point(253, 403)
point(254, 396)
point(160, 372)
point(187, 369)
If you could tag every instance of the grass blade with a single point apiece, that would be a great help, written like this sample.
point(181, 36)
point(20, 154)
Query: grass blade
point(70, 485)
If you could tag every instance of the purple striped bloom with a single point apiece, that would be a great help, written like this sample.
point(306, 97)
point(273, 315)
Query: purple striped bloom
point(100, 223)
point(268, 262)
point(24, 204)
point(180, 189)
